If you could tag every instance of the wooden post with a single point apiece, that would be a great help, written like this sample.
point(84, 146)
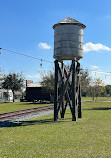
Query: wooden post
point(55, 91)
point(72, 92)
point(74, 113)
point(62, 102)
point(62, 92)
point(79, 97)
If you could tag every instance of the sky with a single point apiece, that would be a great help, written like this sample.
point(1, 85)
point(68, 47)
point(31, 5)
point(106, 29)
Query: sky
point(26, 26)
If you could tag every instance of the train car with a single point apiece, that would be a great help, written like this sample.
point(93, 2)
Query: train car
point(36, 92)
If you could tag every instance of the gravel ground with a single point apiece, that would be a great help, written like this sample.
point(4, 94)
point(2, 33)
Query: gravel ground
point(11, 122)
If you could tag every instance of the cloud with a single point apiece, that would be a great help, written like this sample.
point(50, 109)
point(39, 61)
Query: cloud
point(94, 67)
point(44, 46)
point(34, 76)
point(95, 47)
point(107, 80)
point(105, 76)
point(99, 72)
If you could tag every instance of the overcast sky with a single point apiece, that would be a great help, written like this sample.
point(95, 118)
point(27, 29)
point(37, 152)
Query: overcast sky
point(26, 27)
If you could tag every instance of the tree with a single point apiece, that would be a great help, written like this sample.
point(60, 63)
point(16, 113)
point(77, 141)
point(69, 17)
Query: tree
point(85, 82)
point(96, 88)
point(108, 89)
point(48, 81)
point(14, 82)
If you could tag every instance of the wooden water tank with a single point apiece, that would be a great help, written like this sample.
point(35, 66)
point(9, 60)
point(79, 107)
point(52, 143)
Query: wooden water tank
point(68, 39)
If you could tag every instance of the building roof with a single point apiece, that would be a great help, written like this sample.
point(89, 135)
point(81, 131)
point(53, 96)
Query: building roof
point(18, 93)
point(69, 21)
point(36, 84)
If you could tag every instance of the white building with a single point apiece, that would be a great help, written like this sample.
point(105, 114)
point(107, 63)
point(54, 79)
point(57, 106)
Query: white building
point(6, 94)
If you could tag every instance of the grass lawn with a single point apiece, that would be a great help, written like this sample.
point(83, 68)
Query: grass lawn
point(8, 107)
point(96, 99)
point(89, 137)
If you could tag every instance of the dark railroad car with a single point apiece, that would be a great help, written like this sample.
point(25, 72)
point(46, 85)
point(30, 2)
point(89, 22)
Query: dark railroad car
point(36, 92)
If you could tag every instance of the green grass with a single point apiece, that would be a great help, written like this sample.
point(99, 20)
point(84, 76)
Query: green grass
point(96, 99)
point(89, 137)
point(8, 107)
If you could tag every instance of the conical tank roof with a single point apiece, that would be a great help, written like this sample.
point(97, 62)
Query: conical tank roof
point(70, 21)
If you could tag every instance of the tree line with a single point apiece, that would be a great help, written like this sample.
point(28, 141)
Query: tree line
point(90, 87)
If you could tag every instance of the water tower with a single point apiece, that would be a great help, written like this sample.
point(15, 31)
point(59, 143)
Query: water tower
point(68, 45)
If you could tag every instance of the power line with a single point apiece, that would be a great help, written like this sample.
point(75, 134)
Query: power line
point(99, 71)
point(29, 56)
